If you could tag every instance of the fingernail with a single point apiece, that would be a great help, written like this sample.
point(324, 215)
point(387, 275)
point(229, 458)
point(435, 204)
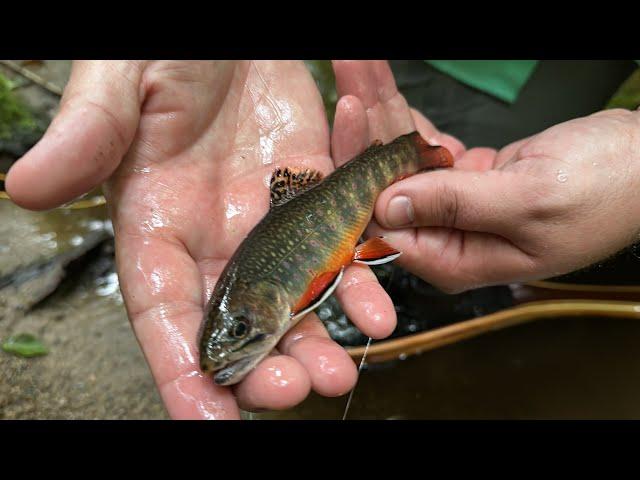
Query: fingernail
point(400, 211)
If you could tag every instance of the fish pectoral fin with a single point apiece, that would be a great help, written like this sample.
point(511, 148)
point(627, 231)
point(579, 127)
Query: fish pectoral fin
point(375, 251)
point(288, 182)
point(319, 290)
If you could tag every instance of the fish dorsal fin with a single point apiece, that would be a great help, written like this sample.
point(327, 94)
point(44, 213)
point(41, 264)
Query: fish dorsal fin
point(288, 182)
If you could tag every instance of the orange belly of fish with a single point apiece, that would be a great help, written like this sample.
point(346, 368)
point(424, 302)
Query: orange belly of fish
point(322, 278)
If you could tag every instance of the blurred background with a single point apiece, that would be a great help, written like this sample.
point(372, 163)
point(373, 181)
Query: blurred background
point(68, 351)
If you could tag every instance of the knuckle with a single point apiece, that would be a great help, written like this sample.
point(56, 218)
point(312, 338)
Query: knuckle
point(543, 201)
point(445, 207)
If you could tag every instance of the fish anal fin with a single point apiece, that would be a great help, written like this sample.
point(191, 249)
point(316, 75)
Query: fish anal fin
point(321, 287)
point(288, 182)
point(375, 251)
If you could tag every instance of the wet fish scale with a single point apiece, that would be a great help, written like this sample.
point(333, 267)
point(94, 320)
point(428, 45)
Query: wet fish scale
point(371, 172)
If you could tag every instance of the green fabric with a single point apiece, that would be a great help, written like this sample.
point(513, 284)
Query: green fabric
point(501, 78)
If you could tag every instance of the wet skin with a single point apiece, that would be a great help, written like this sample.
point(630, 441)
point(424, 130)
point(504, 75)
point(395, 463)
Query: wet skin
point(199, 140)
point(185, 195)
point(543, 206)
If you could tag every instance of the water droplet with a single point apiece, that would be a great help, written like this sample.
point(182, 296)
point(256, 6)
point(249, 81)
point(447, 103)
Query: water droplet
point(562, 176)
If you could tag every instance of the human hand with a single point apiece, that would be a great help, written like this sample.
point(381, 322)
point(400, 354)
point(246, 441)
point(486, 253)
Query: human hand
point(188, 149)
point(541, 207)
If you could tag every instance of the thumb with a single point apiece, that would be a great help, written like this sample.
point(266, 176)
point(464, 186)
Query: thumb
point(491, 201)
point(473, 227)
point(84, 144)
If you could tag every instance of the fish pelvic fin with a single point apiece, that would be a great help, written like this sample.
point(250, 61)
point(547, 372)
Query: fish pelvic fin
point(288, 182)
point(431, 156)
point(320, 289)
point(375, 251)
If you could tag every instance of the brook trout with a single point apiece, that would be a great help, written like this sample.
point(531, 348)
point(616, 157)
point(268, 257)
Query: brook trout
point(293, 260)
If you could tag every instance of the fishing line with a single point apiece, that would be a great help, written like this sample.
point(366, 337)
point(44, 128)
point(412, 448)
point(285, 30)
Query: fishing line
point(364, 356)
point(366, 349)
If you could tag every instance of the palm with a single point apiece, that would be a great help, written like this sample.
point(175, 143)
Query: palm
point(189, 190)
point(188, 148)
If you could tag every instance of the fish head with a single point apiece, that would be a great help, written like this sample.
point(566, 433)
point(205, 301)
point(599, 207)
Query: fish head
point(240, 328)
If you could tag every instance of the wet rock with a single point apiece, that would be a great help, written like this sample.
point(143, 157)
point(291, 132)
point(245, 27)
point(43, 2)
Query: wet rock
point(36, 248)
point(58, 282)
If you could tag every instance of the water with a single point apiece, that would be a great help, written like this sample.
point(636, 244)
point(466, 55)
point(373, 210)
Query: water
point(562, 176)
point(571, 368)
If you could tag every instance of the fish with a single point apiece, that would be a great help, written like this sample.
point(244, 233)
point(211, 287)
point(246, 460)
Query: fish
point(295, 257)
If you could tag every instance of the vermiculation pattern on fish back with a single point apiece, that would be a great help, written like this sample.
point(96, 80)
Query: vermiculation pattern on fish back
point(298, 240)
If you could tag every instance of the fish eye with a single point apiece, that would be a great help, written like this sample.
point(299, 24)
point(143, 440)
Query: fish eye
point(241, 328)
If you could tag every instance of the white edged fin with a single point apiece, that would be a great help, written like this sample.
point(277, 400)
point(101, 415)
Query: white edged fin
point(380, 261)
point(324, 296)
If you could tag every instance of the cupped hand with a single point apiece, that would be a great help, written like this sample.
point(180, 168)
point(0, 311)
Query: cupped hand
point(187, 149)
point(541, 207)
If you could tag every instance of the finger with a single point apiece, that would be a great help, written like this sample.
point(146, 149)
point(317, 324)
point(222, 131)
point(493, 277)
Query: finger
point(350, 135)
point(85, 142)
point(331, 369)
point(508, 153)
point(373, 83)
point(358, 78)
point(455, 260)
point(161, 286)
point(477, 159)
point(431, 134)
point(493, 201)
point(328, 368)
point(365, 302)
point(278, 382)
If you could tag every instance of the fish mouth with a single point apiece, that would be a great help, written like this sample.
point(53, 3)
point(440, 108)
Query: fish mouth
point(234, 372)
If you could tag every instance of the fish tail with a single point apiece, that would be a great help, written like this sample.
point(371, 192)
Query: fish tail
point(430, 156)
